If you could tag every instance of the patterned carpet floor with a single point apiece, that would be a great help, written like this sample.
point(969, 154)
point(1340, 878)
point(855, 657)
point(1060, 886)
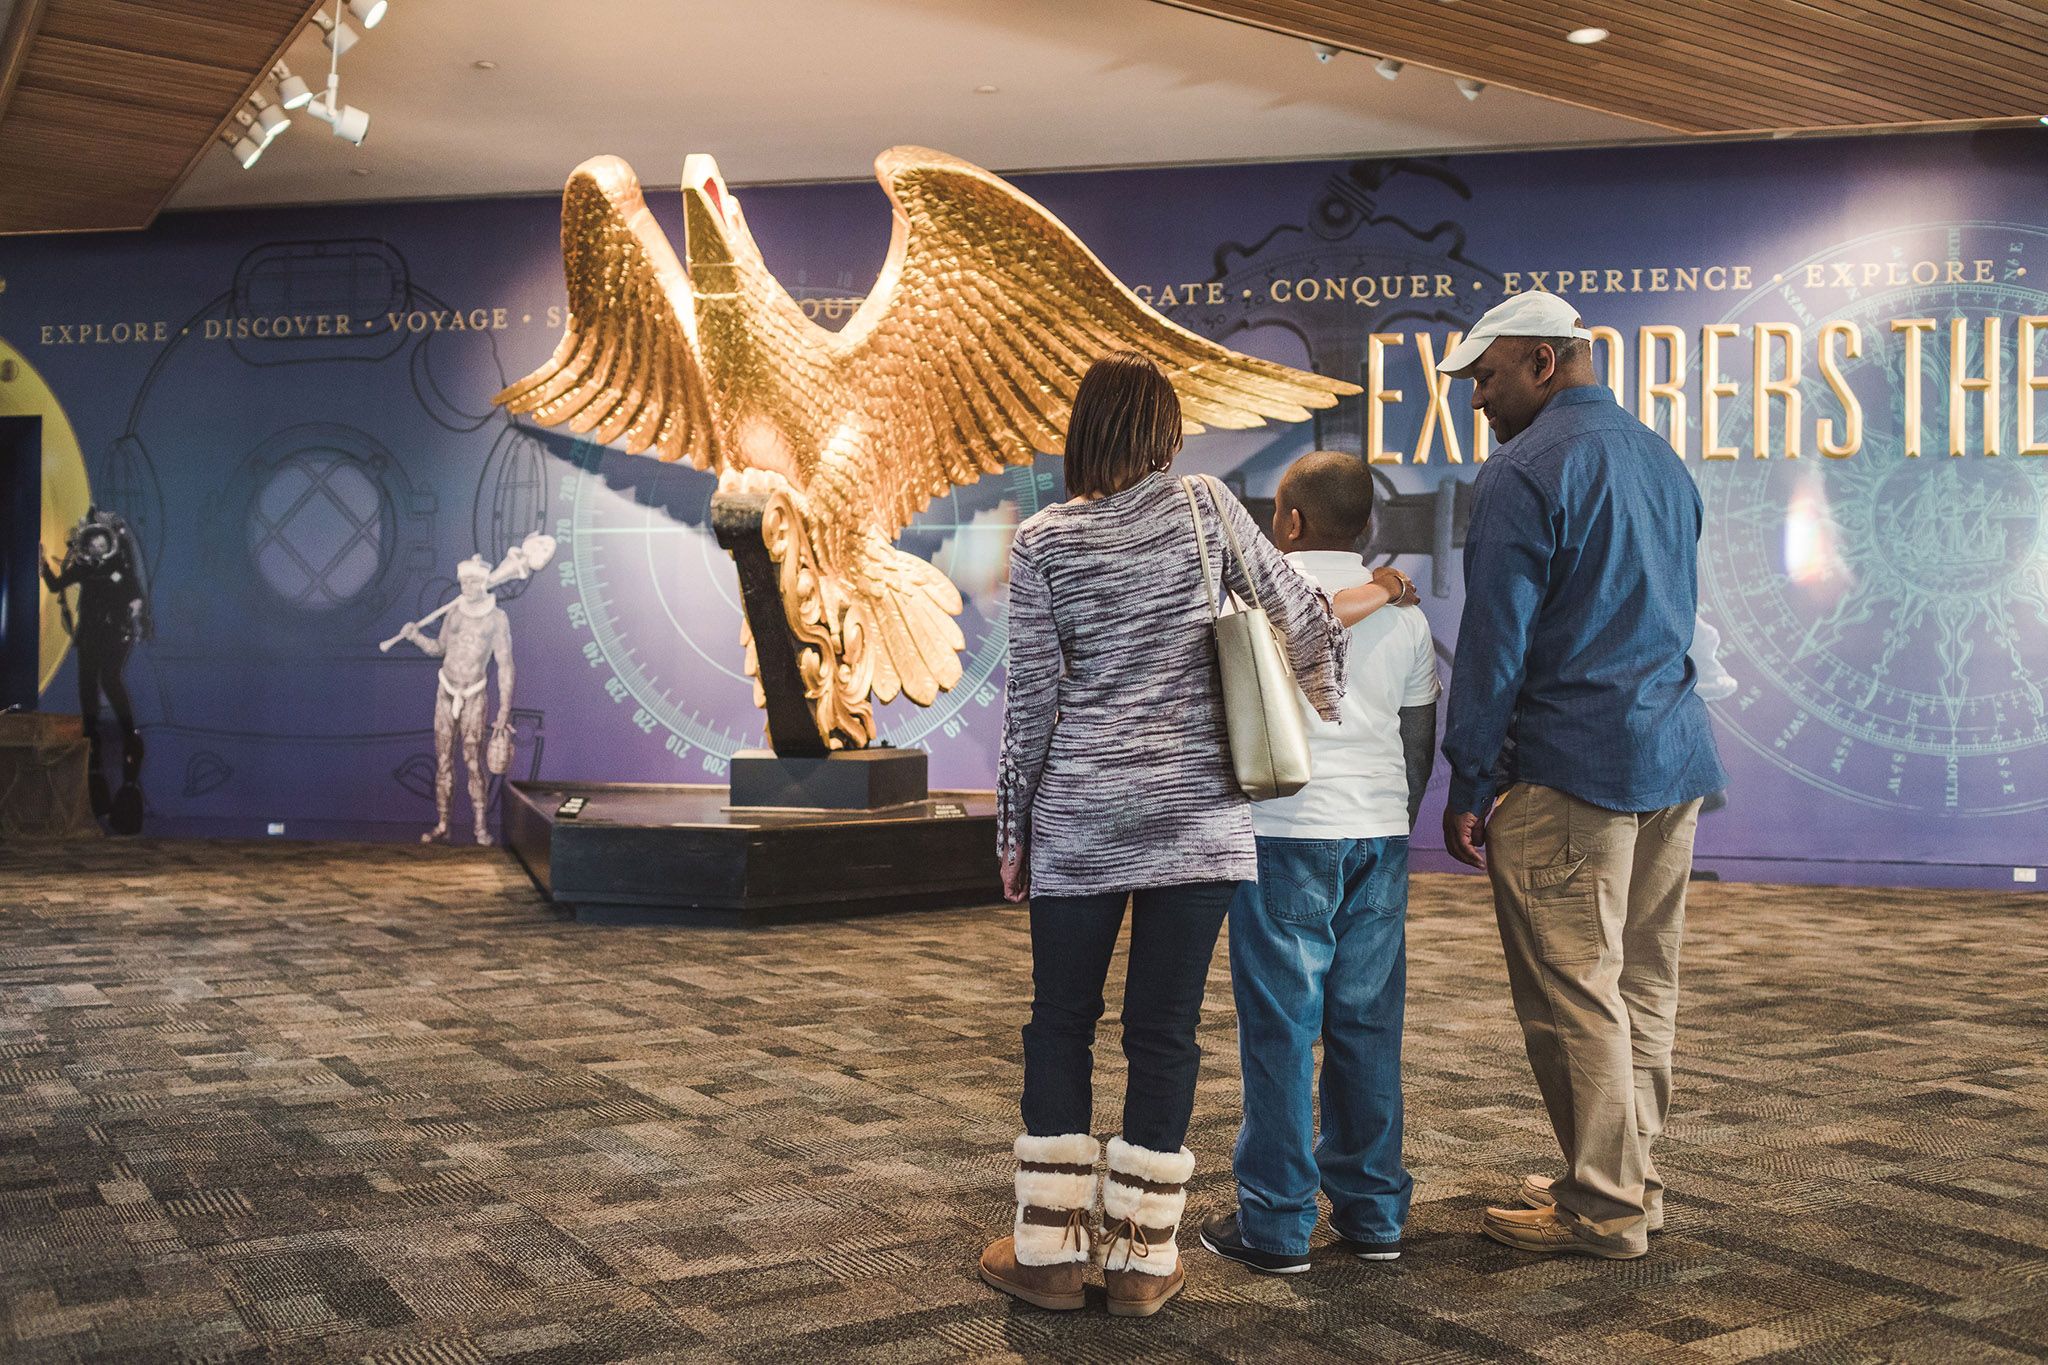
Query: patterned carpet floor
point(337, 1103)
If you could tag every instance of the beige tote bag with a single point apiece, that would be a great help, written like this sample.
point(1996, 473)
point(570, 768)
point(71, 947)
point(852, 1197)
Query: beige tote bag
point(1262, 707)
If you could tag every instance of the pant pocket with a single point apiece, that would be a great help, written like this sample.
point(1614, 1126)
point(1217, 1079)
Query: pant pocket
point(1555, 879)
point(1386, 887)
point(1564, 909)
point(1299, 880)
point(1567, 927)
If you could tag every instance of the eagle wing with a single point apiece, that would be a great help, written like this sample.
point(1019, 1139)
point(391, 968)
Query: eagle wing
point(626, 370)
point(988, 311)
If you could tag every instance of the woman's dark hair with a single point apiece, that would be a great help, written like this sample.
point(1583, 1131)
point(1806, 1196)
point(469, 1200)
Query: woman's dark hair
point(1126, 425)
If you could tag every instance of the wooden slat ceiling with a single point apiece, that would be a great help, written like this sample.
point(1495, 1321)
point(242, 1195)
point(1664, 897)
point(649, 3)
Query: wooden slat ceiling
point(1710, 66)
point(106, 105)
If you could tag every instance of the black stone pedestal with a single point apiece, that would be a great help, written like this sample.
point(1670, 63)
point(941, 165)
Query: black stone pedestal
point(804, 832)
point(635, 853)
point(859, 779)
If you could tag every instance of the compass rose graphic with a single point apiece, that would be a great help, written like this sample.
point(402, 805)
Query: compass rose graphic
point(656, 604)
point(1890, 613)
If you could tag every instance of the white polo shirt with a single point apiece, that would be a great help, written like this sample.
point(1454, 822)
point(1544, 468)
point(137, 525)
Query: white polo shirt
point(1360, 787)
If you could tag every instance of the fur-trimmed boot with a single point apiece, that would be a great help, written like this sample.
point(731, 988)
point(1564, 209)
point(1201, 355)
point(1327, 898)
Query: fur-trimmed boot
point(1042, 1260)
point(1142, 1201)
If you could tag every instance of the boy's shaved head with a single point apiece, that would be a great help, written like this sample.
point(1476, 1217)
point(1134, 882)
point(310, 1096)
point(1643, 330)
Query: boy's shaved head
point(1333, 493)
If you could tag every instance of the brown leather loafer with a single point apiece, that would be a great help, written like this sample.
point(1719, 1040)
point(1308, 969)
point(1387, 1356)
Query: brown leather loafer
point(1535, 1193)
point(1543, 1231)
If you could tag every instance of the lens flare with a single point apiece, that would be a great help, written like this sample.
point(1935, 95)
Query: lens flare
point(1812, 550)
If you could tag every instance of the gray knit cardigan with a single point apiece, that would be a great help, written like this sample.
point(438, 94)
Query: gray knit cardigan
point(1115, 772)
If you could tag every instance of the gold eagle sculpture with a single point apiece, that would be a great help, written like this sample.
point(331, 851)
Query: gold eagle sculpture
point(964, 358)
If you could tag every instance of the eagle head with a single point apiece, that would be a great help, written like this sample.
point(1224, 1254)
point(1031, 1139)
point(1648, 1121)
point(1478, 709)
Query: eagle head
point(712, 228)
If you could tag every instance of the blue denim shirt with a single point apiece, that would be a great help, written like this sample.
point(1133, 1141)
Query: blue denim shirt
point(1581, 589)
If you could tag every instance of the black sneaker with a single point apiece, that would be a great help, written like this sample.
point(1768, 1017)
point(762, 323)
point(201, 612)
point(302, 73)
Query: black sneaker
point(1371, 1251)
point(1221, 1236)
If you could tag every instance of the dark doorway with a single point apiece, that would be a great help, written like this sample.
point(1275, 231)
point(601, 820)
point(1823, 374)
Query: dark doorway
point(21, 514)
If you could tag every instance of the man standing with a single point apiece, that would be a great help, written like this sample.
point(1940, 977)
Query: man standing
point(474, 633)
point(1316, 943)
point(1572, 705)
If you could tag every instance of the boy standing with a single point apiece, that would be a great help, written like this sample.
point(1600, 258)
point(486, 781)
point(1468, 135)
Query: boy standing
point(1317, 943)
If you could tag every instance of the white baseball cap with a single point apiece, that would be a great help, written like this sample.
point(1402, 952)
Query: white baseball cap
point(1534, 314)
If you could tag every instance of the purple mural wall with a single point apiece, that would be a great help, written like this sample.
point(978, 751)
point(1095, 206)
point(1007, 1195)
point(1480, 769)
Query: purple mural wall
point(292, 410)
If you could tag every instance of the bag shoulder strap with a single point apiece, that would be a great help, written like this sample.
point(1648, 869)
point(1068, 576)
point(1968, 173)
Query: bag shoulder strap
point(1217, 492)
point(1187, 486)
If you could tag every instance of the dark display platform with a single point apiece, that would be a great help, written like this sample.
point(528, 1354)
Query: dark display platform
point(863, 779)
point(644, 853)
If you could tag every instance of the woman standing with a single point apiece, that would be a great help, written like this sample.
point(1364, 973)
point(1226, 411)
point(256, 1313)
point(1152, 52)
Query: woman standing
point(1116, 785)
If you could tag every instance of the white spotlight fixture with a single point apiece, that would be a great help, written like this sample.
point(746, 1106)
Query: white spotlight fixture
point(1324, 52)
point(2044, 120)
point(1470, 88)
point(243, 149)
point(1586, 37)
point(270, 119)
point(368, 13)
point(292, 91)
point(1388, 68)
point(338, 36)
point(352, 124)
point(348, 122)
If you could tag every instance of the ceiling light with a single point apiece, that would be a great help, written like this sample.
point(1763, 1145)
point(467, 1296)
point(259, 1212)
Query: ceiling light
point(485, 64)
point(984, 90)
point(1387, 67)
point(1324, 52)
point(244, 150)
point(348, 122)
point(1470, 88)
point(1586, 37)
point(292, 91)
point(338, 36)
point(368, 13)
point(352, 124)
point(2044, 120)
point(269, 118)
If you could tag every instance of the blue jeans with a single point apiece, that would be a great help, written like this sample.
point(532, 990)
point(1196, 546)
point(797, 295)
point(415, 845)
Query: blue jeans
point(1173, 936)
point(1317, 949)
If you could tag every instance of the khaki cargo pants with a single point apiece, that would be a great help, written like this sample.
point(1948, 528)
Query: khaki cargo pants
point(1591, 904)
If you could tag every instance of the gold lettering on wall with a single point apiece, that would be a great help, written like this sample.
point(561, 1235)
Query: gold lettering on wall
point(1611, 339)
point(1914, 329)
point(104, 333)
point(1437, 416)
point(2030, 383)
point(1852, 410)
point(1713, 388)
point(1716, 279)
point(1671, 390)
point(1785, 387)
point(1377, 396)
point(1961, 385)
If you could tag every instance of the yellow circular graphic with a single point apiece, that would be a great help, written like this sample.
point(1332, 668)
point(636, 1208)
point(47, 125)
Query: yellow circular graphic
point(66, 494)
